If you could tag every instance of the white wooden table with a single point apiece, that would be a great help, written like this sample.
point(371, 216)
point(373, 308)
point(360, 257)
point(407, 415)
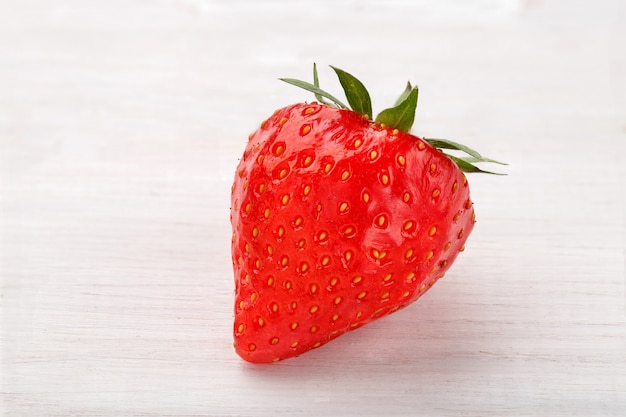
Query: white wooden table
point(121, 123)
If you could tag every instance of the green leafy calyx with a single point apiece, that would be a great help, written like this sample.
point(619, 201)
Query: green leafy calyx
point(400, 116)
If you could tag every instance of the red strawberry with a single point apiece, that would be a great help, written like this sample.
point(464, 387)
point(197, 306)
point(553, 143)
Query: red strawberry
point(339, 220)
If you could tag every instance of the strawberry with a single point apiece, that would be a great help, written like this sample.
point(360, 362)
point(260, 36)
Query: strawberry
point(339, 219)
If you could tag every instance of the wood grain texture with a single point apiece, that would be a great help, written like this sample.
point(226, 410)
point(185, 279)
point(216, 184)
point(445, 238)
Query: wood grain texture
point(121, 124)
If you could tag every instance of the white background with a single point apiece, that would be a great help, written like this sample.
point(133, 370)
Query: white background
point(121, 123)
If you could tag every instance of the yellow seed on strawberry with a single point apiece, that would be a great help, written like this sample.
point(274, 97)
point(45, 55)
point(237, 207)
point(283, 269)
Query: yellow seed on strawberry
point(304, 130)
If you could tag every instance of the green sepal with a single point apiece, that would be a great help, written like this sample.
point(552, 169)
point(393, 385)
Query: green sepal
point(448, 144)
point(469, 167)
point(315, 90)
point(316, 83)
point(474, 155)
point(356, 93)
point(405, 93)
point(402, 116)
point(472, 160)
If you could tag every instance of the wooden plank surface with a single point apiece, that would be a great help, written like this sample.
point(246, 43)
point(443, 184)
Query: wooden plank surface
point(121, 124)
